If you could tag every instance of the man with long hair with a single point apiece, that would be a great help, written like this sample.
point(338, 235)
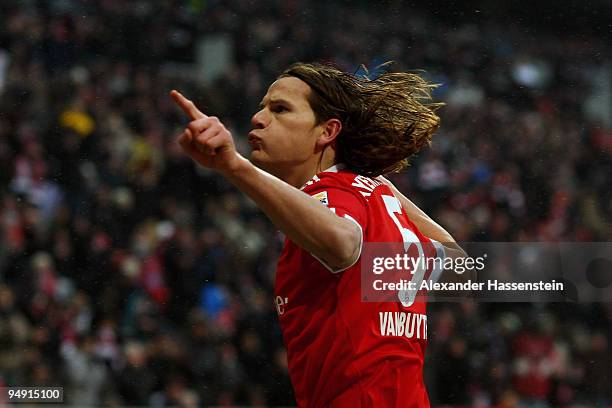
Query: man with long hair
point(320, 143)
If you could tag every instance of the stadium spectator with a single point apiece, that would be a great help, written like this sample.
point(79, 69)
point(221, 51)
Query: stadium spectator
point(124, 235)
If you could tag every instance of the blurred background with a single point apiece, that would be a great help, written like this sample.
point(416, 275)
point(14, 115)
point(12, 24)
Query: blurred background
point(130, 277)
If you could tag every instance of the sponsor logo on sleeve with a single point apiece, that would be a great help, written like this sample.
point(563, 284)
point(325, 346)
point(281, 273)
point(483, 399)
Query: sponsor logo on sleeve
point(322, 197)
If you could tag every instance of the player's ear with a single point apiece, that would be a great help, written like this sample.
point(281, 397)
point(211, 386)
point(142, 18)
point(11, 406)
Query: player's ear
point(330, 129)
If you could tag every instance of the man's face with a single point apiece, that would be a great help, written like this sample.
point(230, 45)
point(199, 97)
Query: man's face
point(284, 133)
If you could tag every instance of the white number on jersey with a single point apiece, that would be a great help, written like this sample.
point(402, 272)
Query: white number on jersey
point(394, 208)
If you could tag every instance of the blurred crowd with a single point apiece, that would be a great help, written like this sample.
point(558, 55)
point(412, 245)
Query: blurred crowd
point(130, 277)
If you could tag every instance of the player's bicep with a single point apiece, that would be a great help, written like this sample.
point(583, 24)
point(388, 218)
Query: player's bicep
point(349, 206)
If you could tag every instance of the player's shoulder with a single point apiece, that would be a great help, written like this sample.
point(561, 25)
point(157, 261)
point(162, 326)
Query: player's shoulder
point(342, 178)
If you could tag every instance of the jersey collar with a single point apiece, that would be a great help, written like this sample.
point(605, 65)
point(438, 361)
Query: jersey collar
point(333, 169)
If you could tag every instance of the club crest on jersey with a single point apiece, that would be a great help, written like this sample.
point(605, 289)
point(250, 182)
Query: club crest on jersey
point(322, 197)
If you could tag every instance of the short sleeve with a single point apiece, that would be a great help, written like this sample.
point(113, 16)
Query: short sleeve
point(440, 254)
point(344, 202)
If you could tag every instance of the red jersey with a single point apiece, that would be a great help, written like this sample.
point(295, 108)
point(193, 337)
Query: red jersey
point(342, 351)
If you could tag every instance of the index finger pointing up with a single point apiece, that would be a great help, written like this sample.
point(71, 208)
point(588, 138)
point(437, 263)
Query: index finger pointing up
point(187, 106)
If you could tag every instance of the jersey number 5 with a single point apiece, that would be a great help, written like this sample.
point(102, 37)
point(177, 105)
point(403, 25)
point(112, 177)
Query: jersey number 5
point(394, 208)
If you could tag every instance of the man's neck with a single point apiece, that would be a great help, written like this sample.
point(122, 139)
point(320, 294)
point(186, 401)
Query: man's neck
point(298, 176)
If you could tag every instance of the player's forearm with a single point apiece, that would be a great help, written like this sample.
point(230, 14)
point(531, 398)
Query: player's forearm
point(425, 224)
point(303, 219)
point(433, 230)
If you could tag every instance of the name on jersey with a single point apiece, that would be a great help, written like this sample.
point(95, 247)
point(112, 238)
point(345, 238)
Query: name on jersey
point(365, 185)
point(403, 324)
